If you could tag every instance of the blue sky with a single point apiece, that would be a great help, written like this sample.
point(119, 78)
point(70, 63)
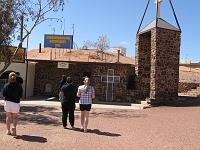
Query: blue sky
point(119, 21)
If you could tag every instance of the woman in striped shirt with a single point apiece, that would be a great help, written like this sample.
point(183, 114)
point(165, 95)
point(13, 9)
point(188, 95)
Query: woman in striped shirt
point(87, 94)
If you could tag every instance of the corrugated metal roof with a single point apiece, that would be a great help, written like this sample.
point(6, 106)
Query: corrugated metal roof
point(161, 24)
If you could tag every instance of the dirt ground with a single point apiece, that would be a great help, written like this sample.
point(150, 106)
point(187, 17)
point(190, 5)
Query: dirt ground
point(157, 128)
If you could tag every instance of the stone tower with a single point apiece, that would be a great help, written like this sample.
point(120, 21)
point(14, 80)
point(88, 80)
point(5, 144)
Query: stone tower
point(157, 59)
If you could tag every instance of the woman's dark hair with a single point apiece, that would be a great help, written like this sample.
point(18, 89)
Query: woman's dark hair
point(69, 80)
point(64, 77)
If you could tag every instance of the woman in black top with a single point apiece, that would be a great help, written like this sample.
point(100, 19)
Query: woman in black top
point(12, 92)
point(68, 102)
point(63, 81)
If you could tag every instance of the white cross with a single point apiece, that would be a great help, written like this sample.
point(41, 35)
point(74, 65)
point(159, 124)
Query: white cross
point(158, 2)
point(110, 79)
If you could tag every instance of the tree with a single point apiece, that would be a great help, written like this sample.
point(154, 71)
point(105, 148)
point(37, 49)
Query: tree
point(102, 43)
point(34, 12)
point(88, 45)
point(7, 23)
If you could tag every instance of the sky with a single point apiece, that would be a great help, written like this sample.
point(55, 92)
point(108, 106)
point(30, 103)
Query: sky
point(119, 21)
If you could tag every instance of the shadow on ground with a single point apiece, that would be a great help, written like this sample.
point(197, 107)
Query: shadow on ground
point(30, 138)
point(119, 114)
point(183, 101)
point(36, 114)
point(48, 115)
point(98, 132)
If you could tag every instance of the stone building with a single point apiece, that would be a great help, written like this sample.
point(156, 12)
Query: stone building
point(113, 80)
point(157, 60)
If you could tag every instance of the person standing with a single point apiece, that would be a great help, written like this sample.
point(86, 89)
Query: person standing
point(87, 94)
point(12, 92)
point(68, 102)
point(63, 81)
point(19, 78)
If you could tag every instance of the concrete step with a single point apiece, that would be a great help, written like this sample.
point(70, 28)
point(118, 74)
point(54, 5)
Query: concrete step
point(140, 106)
point(144, 102)
point(193, 94)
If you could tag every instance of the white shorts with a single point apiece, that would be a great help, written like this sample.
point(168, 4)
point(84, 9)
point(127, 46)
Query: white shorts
point(11, 107)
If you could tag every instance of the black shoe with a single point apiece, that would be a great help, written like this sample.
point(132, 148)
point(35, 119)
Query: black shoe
point(65, 127)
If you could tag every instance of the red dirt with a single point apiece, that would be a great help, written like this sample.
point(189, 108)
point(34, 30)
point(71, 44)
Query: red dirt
point(158, 128)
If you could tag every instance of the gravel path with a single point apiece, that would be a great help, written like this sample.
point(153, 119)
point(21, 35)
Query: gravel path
point(157, 128)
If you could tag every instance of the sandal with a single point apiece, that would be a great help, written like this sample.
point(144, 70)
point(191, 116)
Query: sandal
point(8, 132)
point(85, 130)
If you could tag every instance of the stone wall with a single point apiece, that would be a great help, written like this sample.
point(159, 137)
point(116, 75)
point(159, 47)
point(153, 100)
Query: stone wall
point(165, 52)
point(143, 63)
point(47, 77)
point(157, 64)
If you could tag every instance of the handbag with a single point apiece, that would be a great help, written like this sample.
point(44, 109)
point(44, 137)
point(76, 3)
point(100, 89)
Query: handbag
point(61, 96)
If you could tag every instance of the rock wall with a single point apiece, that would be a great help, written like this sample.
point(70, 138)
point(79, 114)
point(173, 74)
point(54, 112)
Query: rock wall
point(47, 77)
point(143, 63)
point(185, 87)
point(165, 53)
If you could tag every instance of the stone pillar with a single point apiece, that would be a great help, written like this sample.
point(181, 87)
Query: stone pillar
point(165, 53)
point(143, 59)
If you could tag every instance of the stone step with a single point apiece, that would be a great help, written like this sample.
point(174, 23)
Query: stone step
point(194, 90)
point(140, 106)
point(193, 94)
point(144, 102)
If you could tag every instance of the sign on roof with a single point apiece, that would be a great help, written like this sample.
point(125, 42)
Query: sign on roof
point(19, 57)
point(58, 41)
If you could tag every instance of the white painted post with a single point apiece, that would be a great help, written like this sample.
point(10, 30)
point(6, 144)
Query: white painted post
point(158, 2)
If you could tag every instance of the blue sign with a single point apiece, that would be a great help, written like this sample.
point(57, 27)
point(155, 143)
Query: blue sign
point(58, 41)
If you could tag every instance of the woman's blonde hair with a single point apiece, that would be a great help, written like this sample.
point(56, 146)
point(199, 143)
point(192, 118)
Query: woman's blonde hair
point(12, 77)
point(86, 84)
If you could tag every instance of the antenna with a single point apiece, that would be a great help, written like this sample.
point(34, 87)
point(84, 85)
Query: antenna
point(73, 29)
point(64, 28)
point(53, 30)
point(72, 36)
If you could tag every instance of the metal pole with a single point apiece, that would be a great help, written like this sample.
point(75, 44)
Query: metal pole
point(72, 37)
point(157, 13)
point(26, 68)
point(118, 56)
point(175, 14)
point(64, 28)
point(21, 29)
point(26, 78)
point(143, 16)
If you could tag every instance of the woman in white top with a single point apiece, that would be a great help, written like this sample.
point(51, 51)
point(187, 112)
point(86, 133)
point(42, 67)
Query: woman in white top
point(87, 94)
